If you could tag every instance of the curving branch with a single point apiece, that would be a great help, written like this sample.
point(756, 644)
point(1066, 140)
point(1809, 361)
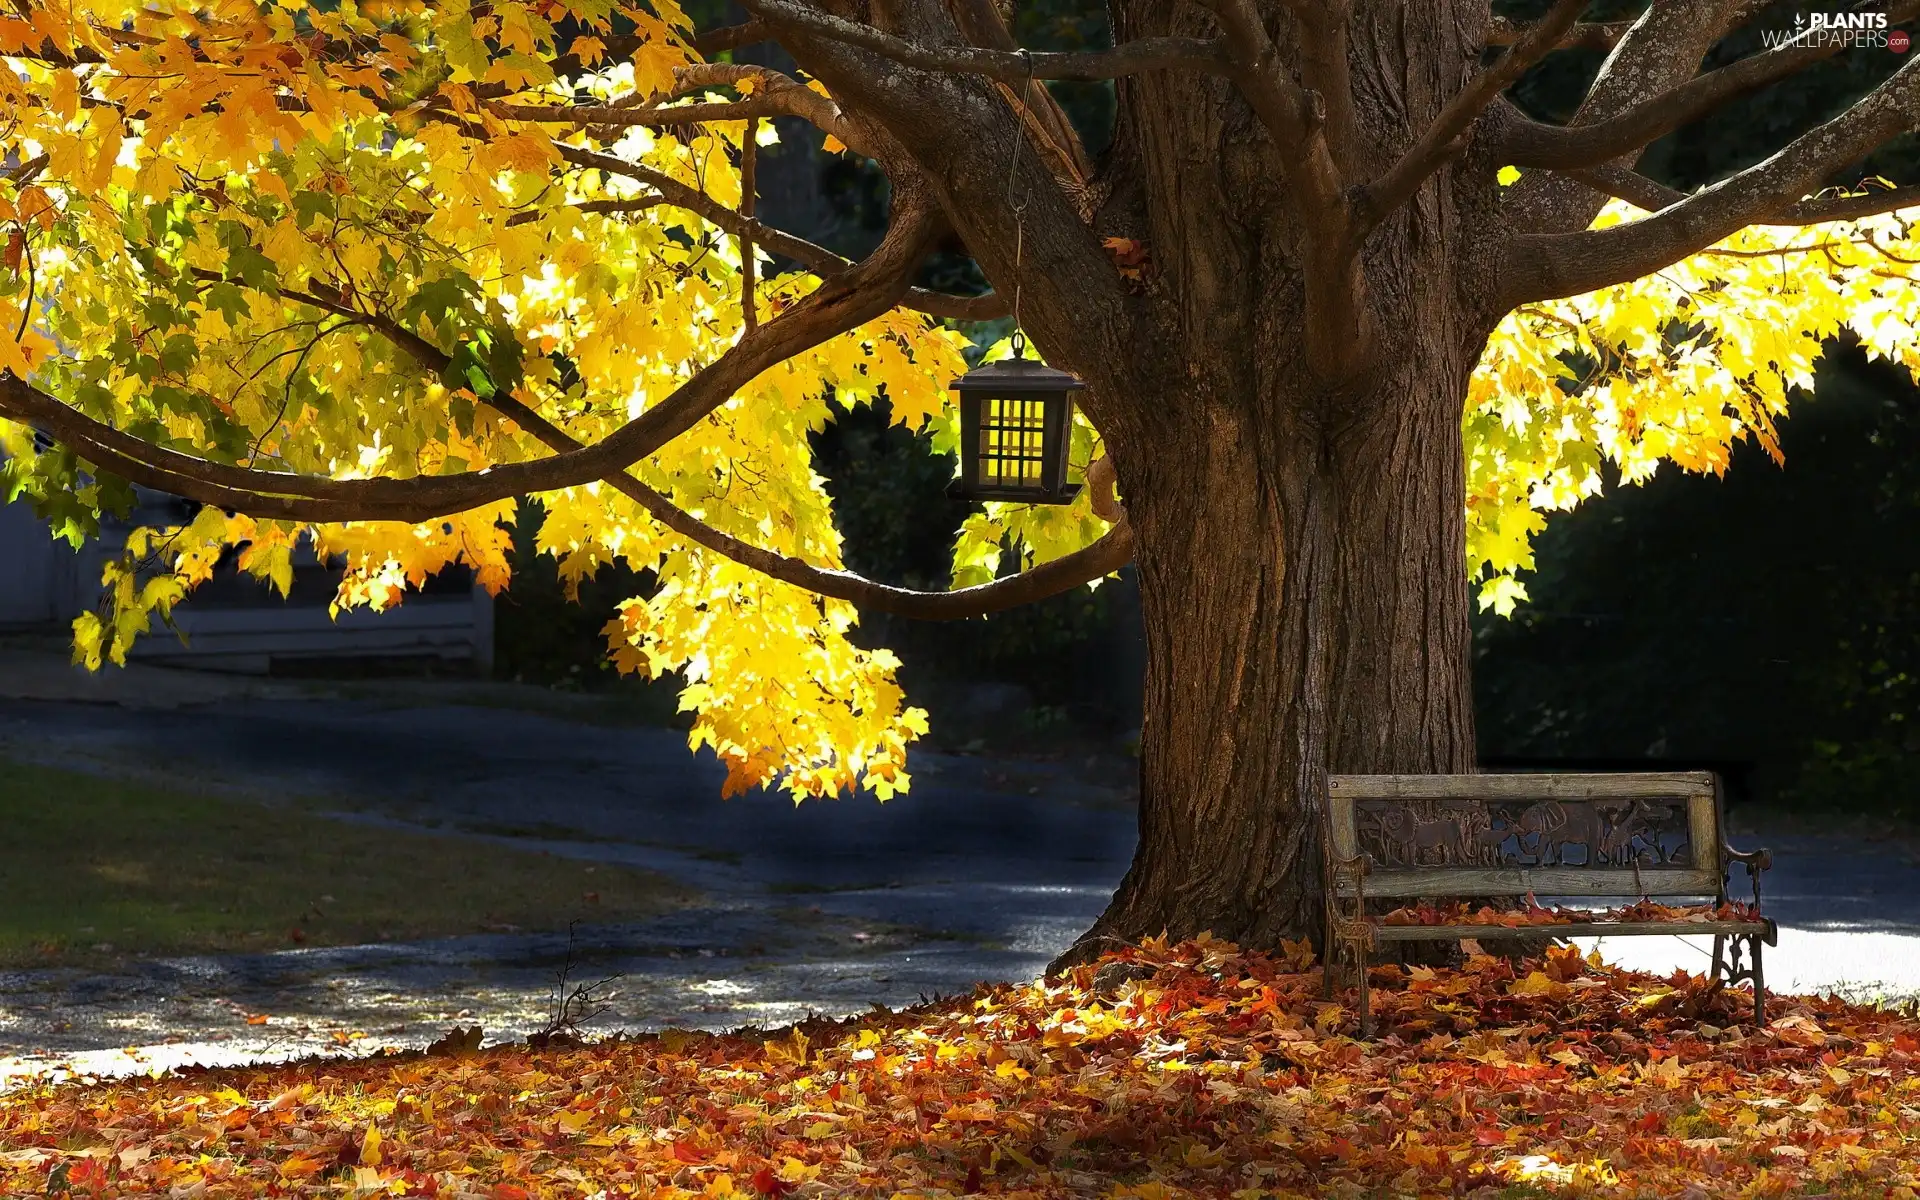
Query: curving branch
point(1545, 266)
point(1103, 557)
point(1111, 552)
point(1636, 189)
point(1527, 143)
point(609, 115)
point(1129, 58)
point(775, 94)
point(1448, 134)
point(603, 207)
point(1658, 52)
point(168, 470)
point(27, 170)
point(841, 304)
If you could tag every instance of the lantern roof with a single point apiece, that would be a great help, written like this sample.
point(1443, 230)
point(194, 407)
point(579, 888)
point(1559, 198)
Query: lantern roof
point(1017, 375)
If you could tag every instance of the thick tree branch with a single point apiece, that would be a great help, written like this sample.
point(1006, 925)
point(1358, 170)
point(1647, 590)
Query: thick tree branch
point(1130, 58)
point(1526, 143)
point(1336, 332)
point(1447, 136)
point(1659, 52)
point(1293, 118)
point(1545, 266)
point(1636, 189)
point(841, 304)
point(775, 95)
point(1103, 557)
point(1324, 68)
point(955, 134)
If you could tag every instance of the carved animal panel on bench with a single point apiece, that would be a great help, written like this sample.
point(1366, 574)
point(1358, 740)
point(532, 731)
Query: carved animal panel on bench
point(1613, 832)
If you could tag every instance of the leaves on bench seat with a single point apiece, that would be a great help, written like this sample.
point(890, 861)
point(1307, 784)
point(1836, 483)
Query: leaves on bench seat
point(1643, 911)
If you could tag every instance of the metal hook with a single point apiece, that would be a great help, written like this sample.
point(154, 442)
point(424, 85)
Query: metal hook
point(1019, 207)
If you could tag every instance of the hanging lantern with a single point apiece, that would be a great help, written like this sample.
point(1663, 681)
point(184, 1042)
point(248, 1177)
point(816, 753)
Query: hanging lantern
point(1016, 422)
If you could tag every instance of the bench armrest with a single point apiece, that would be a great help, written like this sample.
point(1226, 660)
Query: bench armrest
point(1756, 861)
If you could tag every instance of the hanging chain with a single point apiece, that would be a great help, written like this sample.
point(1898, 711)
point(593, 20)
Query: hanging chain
point(1019, 205)
point(749, 184)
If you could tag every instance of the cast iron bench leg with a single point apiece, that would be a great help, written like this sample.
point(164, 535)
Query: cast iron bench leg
point(1328, 960)
point(1759, 986)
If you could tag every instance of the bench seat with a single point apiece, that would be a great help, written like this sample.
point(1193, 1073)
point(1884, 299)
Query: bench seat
point(1468, 837)
point(1383, 932)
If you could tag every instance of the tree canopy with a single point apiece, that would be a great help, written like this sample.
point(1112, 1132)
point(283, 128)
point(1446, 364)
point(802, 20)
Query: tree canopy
point(365, 274)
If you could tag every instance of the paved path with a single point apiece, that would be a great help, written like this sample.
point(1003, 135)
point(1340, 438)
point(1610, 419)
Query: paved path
point(984, 871)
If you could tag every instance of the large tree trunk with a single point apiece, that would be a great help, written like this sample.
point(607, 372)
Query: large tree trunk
point(1301, 548)
point(1305, 603)
point(1281, 401)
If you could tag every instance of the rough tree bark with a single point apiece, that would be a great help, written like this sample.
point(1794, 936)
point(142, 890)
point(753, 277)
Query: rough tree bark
point(1299, 542)
point(1305, 611)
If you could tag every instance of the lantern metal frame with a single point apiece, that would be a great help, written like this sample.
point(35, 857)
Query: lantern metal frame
point(1016, 428)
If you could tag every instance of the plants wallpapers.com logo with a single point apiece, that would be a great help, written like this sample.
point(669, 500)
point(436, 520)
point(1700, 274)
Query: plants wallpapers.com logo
point(1864, 31)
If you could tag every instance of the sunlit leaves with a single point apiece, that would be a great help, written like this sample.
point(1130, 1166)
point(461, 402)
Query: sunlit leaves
point(1675, 367)
point(297, 239)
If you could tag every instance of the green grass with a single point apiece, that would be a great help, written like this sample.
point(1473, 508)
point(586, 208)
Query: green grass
point(94, 869)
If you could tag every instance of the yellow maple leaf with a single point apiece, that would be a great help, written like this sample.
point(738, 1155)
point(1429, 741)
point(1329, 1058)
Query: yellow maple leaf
point(1537, 983)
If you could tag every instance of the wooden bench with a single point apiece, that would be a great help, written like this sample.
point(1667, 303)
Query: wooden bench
point(1583, 837)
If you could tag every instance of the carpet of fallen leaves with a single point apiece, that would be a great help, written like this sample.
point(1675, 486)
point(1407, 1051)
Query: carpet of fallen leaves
point(1173, 1070)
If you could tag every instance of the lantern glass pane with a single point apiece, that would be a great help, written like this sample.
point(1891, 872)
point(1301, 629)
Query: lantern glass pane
point(1012, 434)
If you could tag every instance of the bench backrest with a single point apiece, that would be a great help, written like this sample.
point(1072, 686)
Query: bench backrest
point(1652, 834)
